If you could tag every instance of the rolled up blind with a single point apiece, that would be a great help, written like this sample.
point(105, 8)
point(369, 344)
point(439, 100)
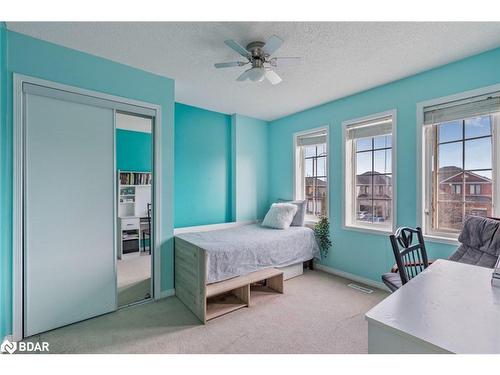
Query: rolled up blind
point(312, 139)
point(462, 109)
point(372, 128)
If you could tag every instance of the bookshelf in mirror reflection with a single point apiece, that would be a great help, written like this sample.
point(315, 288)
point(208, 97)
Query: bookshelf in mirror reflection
point(132, 185)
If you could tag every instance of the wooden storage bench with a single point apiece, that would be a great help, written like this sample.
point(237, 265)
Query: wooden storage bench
point(233, 294)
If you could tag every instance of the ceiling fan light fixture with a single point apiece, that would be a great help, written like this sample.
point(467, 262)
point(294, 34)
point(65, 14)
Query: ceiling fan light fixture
point(259, 55)
point(257, 74)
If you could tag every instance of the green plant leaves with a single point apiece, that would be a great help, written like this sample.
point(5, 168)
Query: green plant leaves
point(322, 232)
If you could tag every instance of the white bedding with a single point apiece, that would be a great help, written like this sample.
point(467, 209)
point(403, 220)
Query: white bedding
point(240, 250)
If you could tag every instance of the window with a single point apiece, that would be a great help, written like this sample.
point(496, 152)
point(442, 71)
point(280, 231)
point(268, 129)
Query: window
point(475, 189)
point(311, 171)
point(459, 150)
point(369, 175)
point(457, 189)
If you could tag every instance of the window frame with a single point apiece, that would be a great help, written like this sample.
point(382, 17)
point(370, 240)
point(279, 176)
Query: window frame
point(297, 174)
point(475, 189)
point(349, 175)
point(425, 159)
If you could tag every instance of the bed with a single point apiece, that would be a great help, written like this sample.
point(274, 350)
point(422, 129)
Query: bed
point(208, 257)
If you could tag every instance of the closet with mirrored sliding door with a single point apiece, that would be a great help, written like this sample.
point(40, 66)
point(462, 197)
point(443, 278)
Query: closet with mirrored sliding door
point(66, 236)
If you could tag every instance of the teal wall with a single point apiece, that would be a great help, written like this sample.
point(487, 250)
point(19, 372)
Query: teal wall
point(45, 60)
point(202, 166)
point(133, 151)
point(250, 168)
point(5, 210)
point(364, 254)
point(221, 167)
point(230, 167)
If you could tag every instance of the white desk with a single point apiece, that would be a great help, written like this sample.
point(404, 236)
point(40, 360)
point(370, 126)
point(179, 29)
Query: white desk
point(449, 308)
point(129, 223)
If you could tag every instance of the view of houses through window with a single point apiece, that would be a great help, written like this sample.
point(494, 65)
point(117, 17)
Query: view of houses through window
point(373, 158)
point(463, 171)
point(369, 176)
point(316, 180)
point(311, 172)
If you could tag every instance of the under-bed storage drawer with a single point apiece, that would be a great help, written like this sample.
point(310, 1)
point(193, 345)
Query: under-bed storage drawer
point(292, 270)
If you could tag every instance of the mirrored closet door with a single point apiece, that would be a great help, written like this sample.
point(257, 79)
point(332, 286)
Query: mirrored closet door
point(83, 240)
point(134, 169)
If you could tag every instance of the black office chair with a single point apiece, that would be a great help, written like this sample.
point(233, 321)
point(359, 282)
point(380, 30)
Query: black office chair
point(147, 232)
point(411, 257)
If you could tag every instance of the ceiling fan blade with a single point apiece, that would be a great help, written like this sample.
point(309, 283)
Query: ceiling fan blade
point(243, 76)
point(233, 44)
point(273, 77)
point(272, 45)
point(284, 61)
point(230, 64)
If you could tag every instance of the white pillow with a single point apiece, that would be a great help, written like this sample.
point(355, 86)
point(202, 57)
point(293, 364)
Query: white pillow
point(280, 215)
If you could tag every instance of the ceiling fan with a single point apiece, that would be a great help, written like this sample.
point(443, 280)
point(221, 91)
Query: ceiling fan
point(258, 54)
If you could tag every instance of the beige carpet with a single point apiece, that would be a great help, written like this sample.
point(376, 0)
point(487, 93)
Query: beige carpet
point(134, 292)
point(317, 314)
point(133, 278)
point(132, 268)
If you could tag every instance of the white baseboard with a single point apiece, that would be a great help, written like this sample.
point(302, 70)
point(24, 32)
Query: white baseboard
point(350, 276)
point(167, 293)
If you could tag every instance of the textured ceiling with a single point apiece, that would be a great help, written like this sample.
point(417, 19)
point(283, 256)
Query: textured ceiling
point(339, 58)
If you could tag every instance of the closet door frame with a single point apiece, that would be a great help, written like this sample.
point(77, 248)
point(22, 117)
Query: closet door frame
point(110, 101)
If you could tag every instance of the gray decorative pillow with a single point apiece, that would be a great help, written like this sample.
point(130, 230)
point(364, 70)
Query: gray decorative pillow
point(300, 216)
point(280, 215)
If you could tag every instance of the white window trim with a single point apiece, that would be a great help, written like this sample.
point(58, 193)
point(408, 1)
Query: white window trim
point(297, 175)
point(370, 228)
point(423, 160)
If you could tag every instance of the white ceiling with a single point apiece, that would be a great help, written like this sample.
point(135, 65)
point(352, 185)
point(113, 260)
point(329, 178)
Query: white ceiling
point(339, 58)
point(133, 123)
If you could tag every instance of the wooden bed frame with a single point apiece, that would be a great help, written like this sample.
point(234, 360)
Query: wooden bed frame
point(189, 276)
point(202, 299)
point(213, 300)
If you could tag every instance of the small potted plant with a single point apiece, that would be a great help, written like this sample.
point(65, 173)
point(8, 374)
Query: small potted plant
point(322, 232)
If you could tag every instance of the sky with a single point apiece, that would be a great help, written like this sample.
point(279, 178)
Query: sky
point(452, 145)
point(477, 151)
